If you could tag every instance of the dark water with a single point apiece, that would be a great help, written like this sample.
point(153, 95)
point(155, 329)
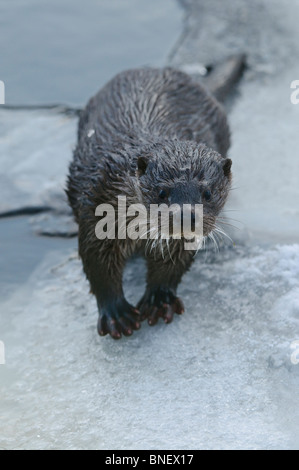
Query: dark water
point(22, 251)
point(64, 50)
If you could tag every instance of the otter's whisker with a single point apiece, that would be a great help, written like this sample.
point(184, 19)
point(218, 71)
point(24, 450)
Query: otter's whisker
point(219, 230)
point(228, 225)
point(162, 249)
point(229, 219)
point(224, 211)
point(201, 243)
point(211, 236)
point(168, 243)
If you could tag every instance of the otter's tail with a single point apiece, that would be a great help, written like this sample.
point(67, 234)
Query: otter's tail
point(223, 76)
point(219, 78)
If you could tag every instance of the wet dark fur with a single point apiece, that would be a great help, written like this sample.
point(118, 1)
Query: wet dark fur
point(154, 129)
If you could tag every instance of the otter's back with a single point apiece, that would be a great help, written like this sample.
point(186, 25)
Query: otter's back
point(143, 105)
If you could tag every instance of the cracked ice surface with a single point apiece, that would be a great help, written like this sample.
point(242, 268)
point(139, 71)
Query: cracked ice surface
point(36, 147)
point(220, 376)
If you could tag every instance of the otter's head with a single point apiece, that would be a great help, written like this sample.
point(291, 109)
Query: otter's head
point(183, 172)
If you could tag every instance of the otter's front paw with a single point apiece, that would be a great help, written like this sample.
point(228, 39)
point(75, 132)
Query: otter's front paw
point(159, 303)
point(118, 317)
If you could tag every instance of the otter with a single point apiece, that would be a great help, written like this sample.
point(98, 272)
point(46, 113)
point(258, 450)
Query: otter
point(152, 135)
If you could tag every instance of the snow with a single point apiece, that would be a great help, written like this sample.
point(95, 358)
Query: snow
point(90, 132)
point(223, 375)
point(214, 378)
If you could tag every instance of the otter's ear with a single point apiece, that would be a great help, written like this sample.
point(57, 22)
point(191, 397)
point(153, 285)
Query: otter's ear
point(141, 165)
point(227, 166)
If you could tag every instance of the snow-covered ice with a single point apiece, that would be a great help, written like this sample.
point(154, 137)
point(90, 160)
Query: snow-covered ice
point(35, 148)
point(220, 376)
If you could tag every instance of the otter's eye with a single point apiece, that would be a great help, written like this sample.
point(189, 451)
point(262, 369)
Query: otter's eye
point(162, 194)
point(207, 195)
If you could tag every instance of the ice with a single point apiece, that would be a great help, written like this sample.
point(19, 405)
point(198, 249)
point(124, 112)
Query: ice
point(194, 69)
point(214, 378)
point(265, 158)
point(263, 120)
point(223, 375)
point(35, 149)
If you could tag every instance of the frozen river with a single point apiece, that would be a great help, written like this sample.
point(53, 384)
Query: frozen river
point(226, 373)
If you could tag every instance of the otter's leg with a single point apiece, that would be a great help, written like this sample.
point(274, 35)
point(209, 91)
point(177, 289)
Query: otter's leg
point(103, 262)
point(163, 278)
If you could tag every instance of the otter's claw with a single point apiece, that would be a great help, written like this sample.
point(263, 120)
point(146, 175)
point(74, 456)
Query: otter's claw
point(161, 303)
point(118, 318)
